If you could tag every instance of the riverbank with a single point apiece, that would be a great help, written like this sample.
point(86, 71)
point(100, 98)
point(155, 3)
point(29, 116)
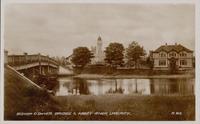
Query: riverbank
point(107, 70)
point(100, 76)
point(99, 72)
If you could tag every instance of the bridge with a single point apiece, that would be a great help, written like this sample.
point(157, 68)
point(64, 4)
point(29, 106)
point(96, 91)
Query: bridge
point(36, 62)
point(32, 65)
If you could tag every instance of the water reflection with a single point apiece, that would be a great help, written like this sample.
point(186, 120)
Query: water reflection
point(71, 86)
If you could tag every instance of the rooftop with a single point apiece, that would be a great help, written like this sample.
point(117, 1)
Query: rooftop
point(169, 48)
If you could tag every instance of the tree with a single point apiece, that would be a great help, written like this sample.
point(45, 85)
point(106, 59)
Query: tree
point(149, 62)
point(114, 54)
point(134, 53)
point(81, 56)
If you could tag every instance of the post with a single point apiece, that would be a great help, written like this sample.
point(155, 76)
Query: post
point(48, 64)
point(25, 56)
point(39, 60)
point(5, 57)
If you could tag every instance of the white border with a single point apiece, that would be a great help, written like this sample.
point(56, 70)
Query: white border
point(197, 55)
point(2, 64)
point(197, 60)
point(100, 1)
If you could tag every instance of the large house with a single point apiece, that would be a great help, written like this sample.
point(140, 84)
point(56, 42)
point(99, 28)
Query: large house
point(172, 57)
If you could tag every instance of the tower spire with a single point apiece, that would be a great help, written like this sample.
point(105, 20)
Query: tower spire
point(99, 51)
point(99, 38)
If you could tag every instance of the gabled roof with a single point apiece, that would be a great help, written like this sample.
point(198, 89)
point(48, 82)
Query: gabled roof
point(169, 48)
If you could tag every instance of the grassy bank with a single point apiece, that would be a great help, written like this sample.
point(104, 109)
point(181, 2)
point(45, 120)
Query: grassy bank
point(22, 96)
point(140, 107)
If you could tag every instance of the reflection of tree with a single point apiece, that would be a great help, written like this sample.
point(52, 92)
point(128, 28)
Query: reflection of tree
point(119, 90)
point(136, 90)
point(116, 90)
point(81, 85)
point(152, 88)
point(115, 85)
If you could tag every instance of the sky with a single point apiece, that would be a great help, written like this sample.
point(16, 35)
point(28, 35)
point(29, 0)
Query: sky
point(56, 29)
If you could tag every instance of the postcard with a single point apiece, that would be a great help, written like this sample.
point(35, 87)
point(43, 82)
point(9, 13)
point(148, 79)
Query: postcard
point(99, 61)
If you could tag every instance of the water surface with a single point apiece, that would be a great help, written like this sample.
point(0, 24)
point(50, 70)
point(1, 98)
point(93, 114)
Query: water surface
point(72, 86)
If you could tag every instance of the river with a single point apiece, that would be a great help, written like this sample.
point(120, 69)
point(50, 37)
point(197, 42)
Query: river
point(76, 86)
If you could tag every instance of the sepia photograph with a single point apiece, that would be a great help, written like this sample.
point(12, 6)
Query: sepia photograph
point(99, 62)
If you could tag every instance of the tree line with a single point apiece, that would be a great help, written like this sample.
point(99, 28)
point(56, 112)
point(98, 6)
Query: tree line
point(115, 53)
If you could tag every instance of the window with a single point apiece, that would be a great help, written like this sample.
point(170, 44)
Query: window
point(162, 55)
point(183, 62)
point(183, 54)
point(173, 54)
point(162, 62)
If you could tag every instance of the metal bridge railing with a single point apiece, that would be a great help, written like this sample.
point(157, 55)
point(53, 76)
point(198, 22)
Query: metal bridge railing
point(16, 60)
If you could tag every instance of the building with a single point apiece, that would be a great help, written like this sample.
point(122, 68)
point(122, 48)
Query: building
point(98, 52)
point(172, 57)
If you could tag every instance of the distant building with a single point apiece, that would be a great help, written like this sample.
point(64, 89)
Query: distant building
point(170, 56)
point(98, 52)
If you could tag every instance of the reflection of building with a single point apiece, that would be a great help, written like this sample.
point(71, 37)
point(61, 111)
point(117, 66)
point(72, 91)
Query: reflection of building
point(172, 86)
point(98, 52)
point(172, 56)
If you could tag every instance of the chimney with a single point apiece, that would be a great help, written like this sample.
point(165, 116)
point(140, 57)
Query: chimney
point(165, 44)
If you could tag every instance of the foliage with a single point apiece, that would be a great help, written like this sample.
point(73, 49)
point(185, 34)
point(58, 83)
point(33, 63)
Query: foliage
point(61, 60)
point(134, 53)
point(150, 62)
point(114, 54)
point(173, 66)
point(81, 56)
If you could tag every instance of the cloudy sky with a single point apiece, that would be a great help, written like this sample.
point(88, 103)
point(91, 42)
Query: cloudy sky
point(55, 29)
